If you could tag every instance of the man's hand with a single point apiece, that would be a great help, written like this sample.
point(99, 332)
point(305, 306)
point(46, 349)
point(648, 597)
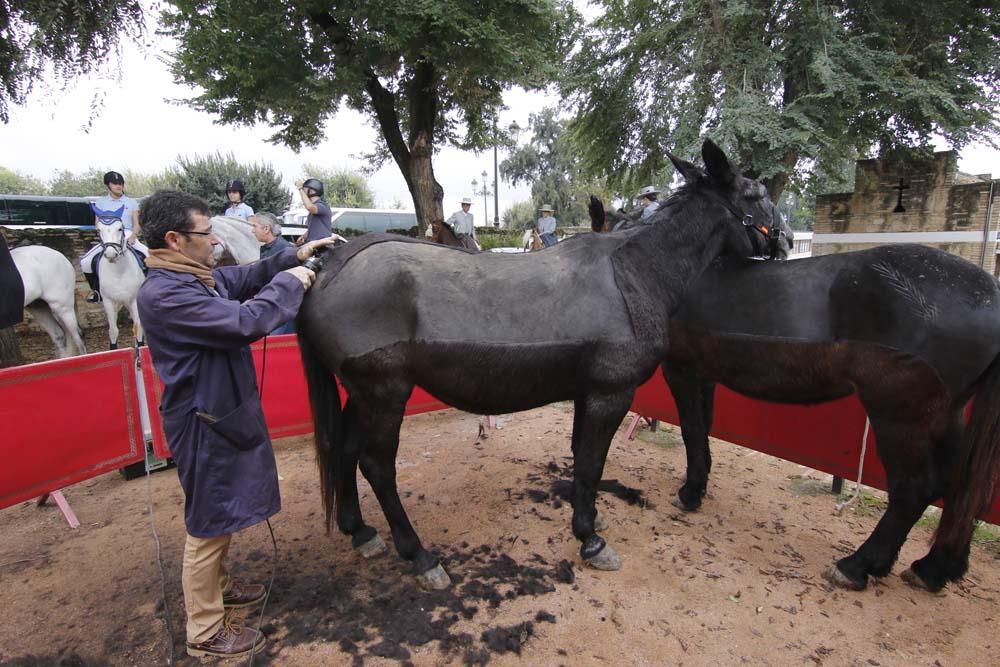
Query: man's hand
point(308, 249)
point(131, 239)
point(304, 275)
point(300, 240)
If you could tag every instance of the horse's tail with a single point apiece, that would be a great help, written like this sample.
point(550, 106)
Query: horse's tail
point(326, 409)
point(596, 209)
point(970, 488)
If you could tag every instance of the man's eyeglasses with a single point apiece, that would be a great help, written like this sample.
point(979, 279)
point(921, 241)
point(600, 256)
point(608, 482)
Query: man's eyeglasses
point(190, 231)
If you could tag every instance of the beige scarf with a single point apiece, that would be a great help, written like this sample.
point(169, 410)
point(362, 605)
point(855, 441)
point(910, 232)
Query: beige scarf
point(171, 260)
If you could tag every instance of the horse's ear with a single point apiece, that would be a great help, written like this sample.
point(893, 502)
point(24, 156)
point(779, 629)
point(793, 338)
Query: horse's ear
point(685, 168)
point(596, 209)
point(717, 164)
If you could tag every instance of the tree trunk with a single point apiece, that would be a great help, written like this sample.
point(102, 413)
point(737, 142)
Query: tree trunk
point(10, 351)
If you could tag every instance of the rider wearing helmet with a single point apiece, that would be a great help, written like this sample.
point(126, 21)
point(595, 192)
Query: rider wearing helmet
point(236, 192)
point(319, 224)
point(112, 203)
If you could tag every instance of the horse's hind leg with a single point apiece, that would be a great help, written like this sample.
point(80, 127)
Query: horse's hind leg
point(595, 420)
point(45, 319)
point(943, 564)
point(381, 416)
point(695, 400)
point(364, 538)
point(906, 450)
point(66, 317)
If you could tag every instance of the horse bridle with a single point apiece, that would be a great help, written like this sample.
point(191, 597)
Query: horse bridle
point(117, 247)
point(772, 235)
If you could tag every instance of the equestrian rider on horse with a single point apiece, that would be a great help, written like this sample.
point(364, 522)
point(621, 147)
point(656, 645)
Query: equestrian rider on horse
point(112, 202)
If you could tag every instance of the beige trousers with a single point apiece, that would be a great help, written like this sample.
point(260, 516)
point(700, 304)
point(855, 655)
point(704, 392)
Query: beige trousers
point(204, 578)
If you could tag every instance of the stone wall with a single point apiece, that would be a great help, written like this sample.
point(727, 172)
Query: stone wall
point(73, 243)
point(939, 198)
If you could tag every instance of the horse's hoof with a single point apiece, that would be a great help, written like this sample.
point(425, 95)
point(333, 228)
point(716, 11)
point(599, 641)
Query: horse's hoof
point(435, 579)
point(679, 504)
point(841, 580)
point(600, 523)
point(606, 559)
point(373, 547)
point(910, 576)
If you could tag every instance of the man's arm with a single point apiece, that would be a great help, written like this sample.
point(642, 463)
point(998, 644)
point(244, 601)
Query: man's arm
point(135, 227)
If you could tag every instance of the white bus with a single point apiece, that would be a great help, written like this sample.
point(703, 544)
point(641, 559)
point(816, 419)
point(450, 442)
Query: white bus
point(351, 220)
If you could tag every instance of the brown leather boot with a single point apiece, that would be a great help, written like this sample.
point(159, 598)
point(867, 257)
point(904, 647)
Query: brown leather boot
point(242, 595)
point(231, 641)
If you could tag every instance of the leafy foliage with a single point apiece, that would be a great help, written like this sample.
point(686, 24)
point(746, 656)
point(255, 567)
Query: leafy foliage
point(342, 187)
point(66, 183)
point(206, 176)
point(68, 37)
point(781, 83)
point(551, 164)
point(425, 73)
point(520, 215)
point(16, 183)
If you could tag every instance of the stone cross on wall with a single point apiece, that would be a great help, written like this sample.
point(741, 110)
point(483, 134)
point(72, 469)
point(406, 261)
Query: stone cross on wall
point(899, 203)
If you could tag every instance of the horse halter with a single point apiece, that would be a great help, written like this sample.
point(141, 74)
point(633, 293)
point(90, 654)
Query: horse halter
point(110, 220)
point(772, 235)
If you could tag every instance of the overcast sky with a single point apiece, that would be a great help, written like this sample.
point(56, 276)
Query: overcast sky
point(138, 129)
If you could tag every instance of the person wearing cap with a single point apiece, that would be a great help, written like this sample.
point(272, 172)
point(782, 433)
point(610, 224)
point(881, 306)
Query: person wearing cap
point(461, 221)
point(546, 226)
point(237, 208)
point(648, 201)
point(319, 224)
point(114, 200)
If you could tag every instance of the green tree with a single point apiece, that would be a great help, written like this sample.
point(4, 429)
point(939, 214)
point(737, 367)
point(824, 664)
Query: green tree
point(64, 38)
point(142, 184)
point(65, 183)
point(781, 83)
point(207, 175)
point(425, 73)
point(16, 183)
point(520, 215)
point(550, 163)
point(342, 187)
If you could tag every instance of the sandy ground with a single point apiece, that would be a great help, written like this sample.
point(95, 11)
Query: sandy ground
point(738, 582)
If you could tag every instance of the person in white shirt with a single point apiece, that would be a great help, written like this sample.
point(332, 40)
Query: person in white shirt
point(648, 201)
point(461, 221)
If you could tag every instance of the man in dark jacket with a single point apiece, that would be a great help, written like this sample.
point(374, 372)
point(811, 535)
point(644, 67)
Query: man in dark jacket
point(200, 324)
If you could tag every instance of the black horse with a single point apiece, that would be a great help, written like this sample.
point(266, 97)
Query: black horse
point(387, 314)
point(914, 331)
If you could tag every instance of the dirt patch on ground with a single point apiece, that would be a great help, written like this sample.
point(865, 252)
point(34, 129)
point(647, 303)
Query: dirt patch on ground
point(738, 582)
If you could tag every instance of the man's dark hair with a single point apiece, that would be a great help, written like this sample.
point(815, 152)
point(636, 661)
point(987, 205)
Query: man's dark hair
point(168, 211)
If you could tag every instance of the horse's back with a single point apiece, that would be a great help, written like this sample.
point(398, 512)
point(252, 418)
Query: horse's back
point(45, 272)
point(388, 290)
point(922, 302)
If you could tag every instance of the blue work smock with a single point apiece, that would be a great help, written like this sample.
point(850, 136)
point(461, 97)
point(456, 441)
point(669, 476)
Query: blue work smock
point(200, 345)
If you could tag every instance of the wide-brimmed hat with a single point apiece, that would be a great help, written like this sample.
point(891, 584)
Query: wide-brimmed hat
point(467, 200)
point(649, 190)
point(547, 207)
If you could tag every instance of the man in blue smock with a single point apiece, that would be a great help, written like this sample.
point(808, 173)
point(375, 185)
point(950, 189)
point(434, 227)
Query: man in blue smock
point(319, 224)
point(200, 325)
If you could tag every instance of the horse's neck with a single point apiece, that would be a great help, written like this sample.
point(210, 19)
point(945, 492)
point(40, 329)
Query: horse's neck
point(122, 268)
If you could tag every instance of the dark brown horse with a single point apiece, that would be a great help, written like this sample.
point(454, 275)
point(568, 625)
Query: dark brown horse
point(441, 232)
point(914, 331)
point(388, 313)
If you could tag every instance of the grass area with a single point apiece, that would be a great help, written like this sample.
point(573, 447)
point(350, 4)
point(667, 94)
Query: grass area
point(666, 436)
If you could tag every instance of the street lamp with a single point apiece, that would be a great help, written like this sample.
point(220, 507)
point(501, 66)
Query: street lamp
point(485, 192)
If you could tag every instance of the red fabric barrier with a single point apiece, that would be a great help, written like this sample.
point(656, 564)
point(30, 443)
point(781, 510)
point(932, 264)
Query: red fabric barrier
point(285, 393)
point(825, 437)
point(66, 421)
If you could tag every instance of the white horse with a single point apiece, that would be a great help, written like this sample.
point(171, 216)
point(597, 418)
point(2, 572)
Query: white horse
point(50, 295)
point(530, 240)
point(237, 239)
point(120, 276)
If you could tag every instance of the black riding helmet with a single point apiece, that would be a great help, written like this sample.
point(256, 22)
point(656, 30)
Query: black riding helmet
point(236, 185)
point(113, 177)
point(315, 185)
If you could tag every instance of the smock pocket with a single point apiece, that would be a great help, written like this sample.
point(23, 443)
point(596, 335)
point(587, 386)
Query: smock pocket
point(243, 428)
